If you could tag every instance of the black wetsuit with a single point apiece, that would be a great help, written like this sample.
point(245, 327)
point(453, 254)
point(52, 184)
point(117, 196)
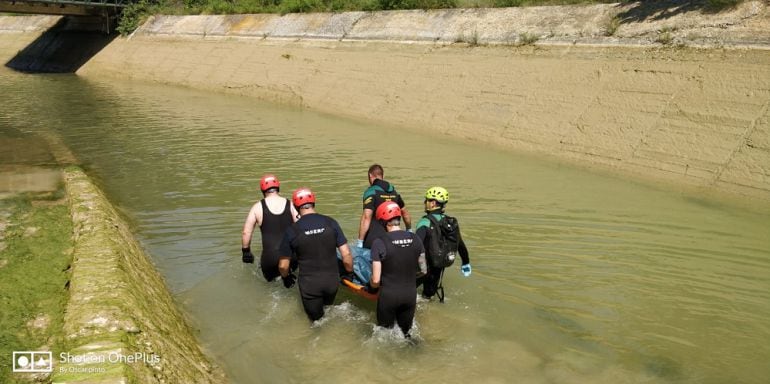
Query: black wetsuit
point(314, 240)
point(379, 192)
point(273, 229)
point(430, 282)
point(399, 253)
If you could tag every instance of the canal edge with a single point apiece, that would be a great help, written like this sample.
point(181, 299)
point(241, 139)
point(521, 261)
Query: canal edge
point(121, 322)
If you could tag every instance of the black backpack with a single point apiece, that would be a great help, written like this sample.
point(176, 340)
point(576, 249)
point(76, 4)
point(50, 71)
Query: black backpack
point(443, 241)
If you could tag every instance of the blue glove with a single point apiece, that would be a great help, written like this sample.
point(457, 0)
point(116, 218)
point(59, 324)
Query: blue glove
point(359, 243)
point(466, 269)
point(410, 230)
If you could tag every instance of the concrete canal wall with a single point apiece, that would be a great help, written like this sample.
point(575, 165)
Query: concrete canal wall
point(679, 95)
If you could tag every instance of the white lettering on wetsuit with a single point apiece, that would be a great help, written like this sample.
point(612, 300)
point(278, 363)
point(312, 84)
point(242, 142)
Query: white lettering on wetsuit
point(402, 242)
point(317, 231)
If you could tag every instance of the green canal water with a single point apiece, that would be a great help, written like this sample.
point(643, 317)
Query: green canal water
point(577, 277)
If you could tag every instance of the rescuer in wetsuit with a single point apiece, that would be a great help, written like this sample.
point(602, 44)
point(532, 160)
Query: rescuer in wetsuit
point(379, 191)
point(273, 214)
point(436, 199)
point(397, 257)
point(313, 241)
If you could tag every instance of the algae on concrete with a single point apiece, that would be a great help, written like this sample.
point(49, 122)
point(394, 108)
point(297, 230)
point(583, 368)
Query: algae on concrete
point(36, 251)
point(74, 281)
point(119, 304)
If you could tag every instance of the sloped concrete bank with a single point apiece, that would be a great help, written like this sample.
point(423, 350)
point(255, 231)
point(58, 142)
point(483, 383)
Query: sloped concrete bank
point(674, 94)
point(121, 323)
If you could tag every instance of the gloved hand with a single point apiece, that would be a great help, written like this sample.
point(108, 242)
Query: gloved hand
point(289, 280)
point(466, 269)
point(348, 276)
point(410, 230)
point(370, 289)
point(359, 243)
point(247, 256)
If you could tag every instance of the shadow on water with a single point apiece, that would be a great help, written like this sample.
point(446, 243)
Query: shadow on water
point(661, 10)
point(64, 48)
point(663, 367)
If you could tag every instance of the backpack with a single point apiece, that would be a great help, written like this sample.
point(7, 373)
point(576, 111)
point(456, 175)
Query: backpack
point(443, 241)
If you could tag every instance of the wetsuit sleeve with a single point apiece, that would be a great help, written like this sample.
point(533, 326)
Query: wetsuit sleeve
point(422, 229)
point(369, 199)
point(421, 247)
point(422, 264)
point(424, 222)
point(286, 250)
point(378, 250)
point(422, 233)
point(463, 251)
point(340, 236)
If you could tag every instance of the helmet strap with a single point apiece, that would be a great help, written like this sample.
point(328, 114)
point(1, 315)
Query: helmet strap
point(437, 207)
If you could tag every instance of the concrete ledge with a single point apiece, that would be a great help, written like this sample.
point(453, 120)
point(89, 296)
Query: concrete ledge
point(24, 24)
point(587, 24)
point(119, 305)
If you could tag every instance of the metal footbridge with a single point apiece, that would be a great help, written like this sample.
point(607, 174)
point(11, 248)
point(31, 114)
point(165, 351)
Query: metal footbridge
point(103, 8)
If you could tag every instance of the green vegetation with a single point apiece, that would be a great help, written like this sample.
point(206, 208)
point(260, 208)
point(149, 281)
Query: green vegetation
point(612, 26)
point(527, 39)
point(34, 276)
point(665, 37)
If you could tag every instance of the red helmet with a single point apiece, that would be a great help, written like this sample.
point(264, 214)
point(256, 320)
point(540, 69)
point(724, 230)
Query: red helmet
point(388, 210)
point(302, 196)
point(268, 181)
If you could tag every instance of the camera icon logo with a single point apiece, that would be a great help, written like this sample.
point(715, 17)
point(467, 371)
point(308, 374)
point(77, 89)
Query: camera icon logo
point(32, 361)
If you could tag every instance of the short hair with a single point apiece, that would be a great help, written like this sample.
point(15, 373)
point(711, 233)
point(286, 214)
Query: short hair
point(376, 170)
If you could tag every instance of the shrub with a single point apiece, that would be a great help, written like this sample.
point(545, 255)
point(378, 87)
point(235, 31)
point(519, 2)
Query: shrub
point(297, 6)
point(416, 4)
point(131, 16)
point(528, 38)
point(508, 3)
point(612, 26)
point(352, 5)
point(665, 38)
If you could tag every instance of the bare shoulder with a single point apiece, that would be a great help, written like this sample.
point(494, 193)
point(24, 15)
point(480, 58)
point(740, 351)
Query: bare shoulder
point(276, 204)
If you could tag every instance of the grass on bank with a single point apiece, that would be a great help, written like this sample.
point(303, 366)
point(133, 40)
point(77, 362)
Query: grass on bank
point(34, 274)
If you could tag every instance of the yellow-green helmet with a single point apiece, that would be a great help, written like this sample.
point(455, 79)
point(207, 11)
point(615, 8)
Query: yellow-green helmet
point(437, 193)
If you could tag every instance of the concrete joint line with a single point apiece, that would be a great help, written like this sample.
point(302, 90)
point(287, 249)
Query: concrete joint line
point(658, 119)
point(741, 143)
point(353, 25)
point(594, 100)
point(646, 132)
